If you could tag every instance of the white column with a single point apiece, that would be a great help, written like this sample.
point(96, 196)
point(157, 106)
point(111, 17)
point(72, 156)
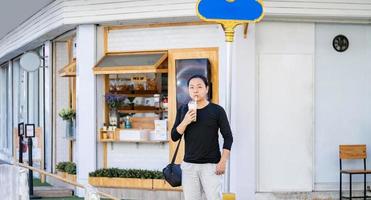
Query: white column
point(48, 104)
point(243, 153)
point(86, 103)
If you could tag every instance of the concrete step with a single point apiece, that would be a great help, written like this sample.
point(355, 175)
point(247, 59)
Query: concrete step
point(50, 191)
point(330, 195)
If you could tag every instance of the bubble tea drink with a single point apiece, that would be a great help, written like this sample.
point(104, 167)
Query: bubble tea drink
point(192, 105)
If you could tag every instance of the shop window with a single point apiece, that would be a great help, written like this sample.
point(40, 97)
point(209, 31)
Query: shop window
point(28, 105)
point(5, 134)
point(65, 53)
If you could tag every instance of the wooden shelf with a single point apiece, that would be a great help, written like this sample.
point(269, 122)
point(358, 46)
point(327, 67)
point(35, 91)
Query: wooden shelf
point(107, 130)
point(110, 135)
point(134, 95)
point(144, 141)
point(141, 111)
point(107, 140)
point(136, 141)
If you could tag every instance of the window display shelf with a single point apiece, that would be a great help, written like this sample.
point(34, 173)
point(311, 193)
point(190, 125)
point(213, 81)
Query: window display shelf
point(141, 111)
point(134, 95)
point(138, 141)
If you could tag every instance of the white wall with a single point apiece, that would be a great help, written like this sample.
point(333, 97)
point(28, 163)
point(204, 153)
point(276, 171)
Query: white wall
point(243, 171)
point(343, 96)
point(285, 106)
point(85, 103)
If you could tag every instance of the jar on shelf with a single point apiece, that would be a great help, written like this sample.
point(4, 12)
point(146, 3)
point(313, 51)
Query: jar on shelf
point(112, 85)
point(128, 122)
point(164, 103)
point(104, 135)
point(156, 100)
point(151, 84)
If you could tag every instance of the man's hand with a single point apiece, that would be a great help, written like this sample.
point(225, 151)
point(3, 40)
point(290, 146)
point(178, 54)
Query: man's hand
point(189, 117)
point(220, 168)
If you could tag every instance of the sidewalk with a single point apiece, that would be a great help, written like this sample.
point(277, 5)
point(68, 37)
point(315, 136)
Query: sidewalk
point(3, 162)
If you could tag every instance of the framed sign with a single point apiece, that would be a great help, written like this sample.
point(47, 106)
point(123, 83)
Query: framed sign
point(38, 144)
point(30, 130)
point(185, 69)
point(21, 129)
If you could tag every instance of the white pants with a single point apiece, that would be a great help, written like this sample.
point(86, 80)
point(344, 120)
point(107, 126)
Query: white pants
point(199, 178)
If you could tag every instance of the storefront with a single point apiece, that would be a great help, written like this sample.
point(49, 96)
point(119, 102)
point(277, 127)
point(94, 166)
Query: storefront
point(289, 86)
point(146, 68)
point(23, 101)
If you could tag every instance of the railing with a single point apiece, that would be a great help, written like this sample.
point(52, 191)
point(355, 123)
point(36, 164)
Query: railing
point(64, 180)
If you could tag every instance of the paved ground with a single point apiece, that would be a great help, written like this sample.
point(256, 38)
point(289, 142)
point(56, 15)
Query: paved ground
point(62, 198)
point(3, 162)
point(37, 182)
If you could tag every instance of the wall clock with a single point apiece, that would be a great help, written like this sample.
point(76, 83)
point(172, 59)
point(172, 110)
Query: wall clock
point(340, 43)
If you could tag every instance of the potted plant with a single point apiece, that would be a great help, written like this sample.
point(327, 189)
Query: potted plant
point(114, 101)
point(121, 178)
point(129, 178)
point(71, 171)
point(61, 169)
point(68, 115)
point(67, 170)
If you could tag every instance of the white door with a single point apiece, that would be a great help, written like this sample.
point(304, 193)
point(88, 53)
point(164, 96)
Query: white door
point(285, 122)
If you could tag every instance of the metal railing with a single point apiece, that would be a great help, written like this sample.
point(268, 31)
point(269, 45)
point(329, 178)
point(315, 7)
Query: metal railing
point(64, 180)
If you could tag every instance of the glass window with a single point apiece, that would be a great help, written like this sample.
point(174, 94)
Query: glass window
point(5, 111)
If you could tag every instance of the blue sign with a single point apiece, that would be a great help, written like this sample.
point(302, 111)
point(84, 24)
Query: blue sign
point(232, 10)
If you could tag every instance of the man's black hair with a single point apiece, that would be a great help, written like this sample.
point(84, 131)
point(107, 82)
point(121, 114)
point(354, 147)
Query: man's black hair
point(203, 78)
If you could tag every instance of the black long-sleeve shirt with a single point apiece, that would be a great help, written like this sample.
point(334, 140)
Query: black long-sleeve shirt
point(201, 137)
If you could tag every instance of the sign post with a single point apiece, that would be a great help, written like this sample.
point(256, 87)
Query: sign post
point(20, 135)
point(30, 134)
point(229, 14)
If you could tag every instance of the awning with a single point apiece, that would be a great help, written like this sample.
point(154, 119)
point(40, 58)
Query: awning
point(68, 70)
point(133, 62)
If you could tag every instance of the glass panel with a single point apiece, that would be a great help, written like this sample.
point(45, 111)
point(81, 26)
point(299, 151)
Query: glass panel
point(33, 98)
point(130, 60)
point(28, 99)
point(3, 108)
point(20, 90)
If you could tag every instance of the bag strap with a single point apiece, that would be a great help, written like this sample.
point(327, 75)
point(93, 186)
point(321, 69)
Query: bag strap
point(177, 148)
point(176, 151)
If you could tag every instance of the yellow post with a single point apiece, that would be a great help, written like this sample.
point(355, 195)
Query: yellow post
point(229, 196)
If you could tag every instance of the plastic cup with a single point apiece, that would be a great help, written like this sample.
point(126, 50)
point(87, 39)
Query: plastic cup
point(192, 105)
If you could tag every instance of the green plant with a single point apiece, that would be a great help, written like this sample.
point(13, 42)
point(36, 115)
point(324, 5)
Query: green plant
point(127, 173)
point(71, 168)
point(61, 166)
point(67, 114)
point(114, 100)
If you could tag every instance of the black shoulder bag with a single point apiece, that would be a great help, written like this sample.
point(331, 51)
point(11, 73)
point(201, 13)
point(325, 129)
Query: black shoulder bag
point(172, 172)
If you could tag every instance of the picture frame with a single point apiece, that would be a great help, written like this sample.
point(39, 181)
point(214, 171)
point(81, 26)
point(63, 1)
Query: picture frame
point(30, 130)
point(21, 129)
point(185, 69)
